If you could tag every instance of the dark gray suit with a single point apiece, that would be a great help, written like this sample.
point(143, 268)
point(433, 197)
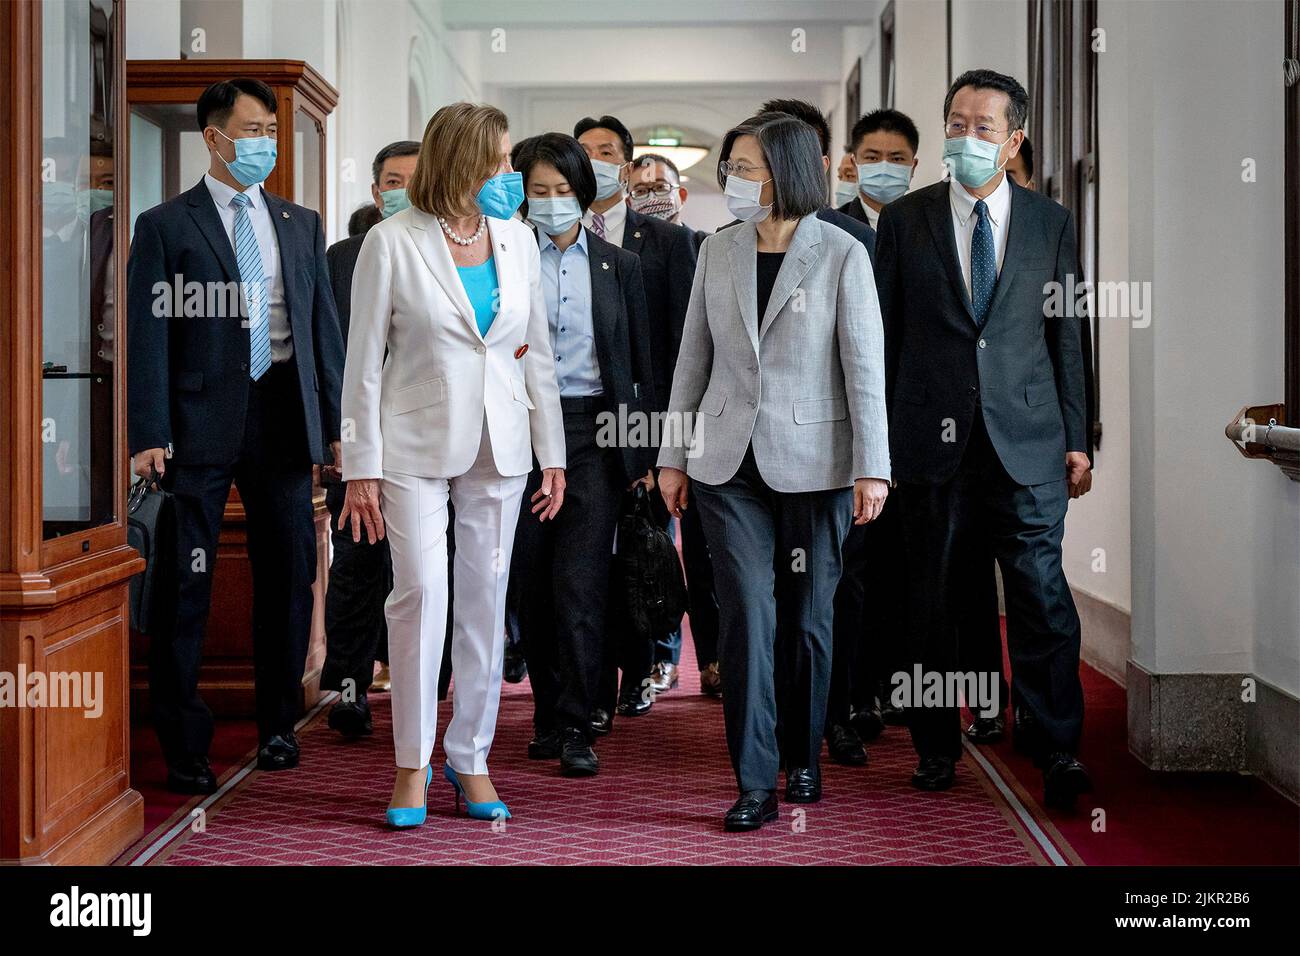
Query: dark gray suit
point(981, 417)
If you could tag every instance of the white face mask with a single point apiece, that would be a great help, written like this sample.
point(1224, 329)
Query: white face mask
point(743, 199)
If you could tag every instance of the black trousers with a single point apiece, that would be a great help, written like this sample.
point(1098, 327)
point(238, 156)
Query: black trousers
point(361, 576)
point(1025, 524)
point(273, 473)
point(561, 570)
point(702, 606)
point(776, 563)
point(979, 625)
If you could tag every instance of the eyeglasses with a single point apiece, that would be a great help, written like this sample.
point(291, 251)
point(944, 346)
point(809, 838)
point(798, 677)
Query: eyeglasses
point(958, 128)
point(739, 168)
point(643, 190)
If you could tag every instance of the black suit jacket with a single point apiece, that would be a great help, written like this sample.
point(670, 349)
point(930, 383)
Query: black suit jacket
point(623, 341)
point(859, 230)
point(1022, 371)
point(341, 259)
point(667, 254)
point(187, 376)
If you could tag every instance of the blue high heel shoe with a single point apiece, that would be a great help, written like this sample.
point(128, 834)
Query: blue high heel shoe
point(403, 818)
point(487, 810)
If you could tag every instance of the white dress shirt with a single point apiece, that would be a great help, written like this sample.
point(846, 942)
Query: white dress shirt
point(260, 219)
point(873, 215)
point(964, 220)
point(615, 220)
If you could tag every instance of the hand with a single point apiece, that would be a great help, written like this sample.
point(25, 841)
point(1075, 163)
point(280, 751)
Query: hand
point(648, 481)
point(1079, 473)
point(335, 471)
point(548, 498)
point(150, 458)
point(673, 485)
point(869, 496)
point(361, 504)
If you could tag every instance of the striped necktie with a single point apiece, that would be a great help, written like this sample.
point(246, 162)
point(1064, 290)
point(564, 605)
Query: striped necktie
point(253, 280)
point(598, 225)
point(983, 263)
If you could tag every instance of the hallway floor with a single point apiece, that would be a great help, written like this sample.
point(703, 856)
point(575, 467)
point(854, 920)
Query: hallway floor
point(664, 783)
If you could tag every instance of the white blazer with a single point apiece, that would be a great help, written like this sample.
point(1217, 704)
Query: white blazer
point(420, 411)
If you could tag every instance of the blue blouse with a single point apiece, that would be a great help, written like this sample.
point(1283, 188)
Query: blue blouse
point(480, 284)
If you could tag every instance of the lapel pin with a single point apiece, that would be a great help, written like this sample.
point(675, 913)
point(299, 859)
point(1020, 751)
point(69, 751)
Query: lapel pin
point(284, 215)
point(604, 265)
point(503, 247)
point(521, 351)
point(636, 235)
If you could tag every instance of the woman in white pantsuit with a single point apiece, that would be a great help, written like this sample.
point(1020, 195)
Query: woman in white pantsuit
point(448, 394)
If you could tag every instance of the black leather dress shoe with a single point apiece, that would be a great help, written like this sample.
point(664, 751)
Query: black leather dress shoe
point(577, 759)
point(633, 705)
point(516, 667)
point(869, 722)
point(193, 776)
point(845, 746)
point(751, 811)
point(986, 730)
point(893, 716)
point(1064, 778)
point(545, 745)
point(352, 718)
point(601, 722)
point(802, 785)
point(934, 773)
point(278, 752)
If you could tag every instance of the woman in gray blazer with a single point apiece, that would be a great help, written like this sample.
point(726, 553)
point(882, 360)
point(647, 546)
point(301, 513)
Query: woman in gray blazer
point(777, 414)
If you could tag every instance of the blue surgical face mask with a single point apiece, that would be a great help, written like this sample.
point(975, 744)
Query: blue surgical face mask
point(254, 159)
point(743, 197)
point(501, 195)
point(395, 200)
point(884, 182)
point(607, 181)
point(971, 160)
point(844, 192)
point(554, 215)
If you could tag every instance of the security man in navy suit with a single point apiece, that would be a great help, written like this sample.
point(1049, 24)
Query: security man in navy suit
point(988, 421)
point(234, 368)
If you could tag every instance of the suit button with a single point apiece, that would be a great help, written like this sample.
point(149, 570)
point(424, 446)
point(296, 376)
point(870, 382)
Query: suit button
point(973, 389)
point(754, 369)
point(982, 343)
point(752, 403)
point(243, 366)
point(479, 349)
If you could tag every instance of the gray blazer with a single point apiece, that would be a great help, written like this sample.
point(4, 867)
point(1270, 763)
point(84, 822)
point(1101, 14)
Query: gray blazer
point(806, 384)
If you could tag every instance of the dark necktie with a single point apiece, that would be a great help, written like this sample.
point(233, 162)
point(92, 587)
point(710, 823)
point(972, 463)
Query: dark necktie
point(983, 263)
point(598, 225)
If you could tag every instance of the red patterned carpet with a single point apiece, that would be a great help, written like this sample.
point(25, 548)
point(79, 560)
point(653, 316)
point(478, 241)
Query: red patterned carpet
point(663, 786)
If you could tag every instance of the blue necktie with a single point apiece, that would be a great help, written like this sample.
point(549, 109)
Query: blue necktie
point(983, 263)
point(253, 279)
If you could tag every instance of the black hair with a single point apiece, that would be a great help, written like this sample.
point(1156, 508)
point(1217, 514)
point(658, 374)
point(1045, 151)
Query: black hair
point(362, 218)
point(567, 156)
point(1018, 99)
point(218, 100)
point(610, 123)
point(646, 159)
point(886, 121)
point(803, 110)
point(1026, 153)
point(403, 147)
point(792, 152)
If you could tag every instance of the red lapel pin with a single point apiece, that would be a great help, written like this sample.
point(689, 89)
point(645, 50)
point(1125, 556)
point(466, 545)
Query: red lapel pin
point(521, 351)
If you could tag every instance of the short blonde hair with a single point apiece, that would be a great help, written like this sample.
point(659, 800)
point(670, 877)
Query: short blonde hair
point(461, 148)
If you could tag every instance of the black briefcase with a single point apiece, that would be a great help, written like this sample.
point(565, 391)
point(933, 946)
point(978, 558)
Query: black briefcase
point(649, 570)
point(151, 530)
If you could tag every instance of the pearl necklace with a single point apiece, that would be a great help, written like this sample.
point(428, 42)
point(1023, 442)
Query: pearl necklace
point(482, 225)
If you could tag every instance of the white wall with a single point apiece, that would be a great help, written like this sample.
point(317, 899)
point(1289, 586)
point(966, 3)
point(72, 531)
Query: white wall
point(920, 30)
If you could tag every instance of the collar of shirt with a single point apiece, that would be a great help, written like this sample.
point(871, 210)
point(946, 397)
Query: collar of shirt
point(873, 216)
point(548, 243)
point(222, 194)
point(963, 203)
point(614, 216)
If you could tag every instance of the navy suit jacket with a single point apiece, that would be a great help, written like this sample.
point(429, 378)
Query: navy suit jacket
point(1022, 370)
point(187, 375)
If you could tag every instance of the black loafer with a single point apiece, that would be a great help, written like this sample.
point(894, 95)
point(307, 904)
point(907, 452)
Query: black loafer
point(577, 759)
point(633, 705)
point(601, 722)
point(802, 785)
point(934, 773)
point(352, 718)
point(893, 716)
point(516, 667)
point(986, 730)
point(845, 746)
point(279, 752)
point(869, 723)
point(751, 811)
point(545, 745)
point(1064, 778)
point(193, 776)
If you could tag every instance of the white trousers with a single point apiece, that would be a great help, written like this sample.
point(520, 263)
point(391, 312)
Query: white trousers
point(415, 518)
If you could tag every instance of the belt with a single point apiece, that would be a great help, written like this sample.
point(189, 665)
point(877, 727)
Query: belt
point(584, 404)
